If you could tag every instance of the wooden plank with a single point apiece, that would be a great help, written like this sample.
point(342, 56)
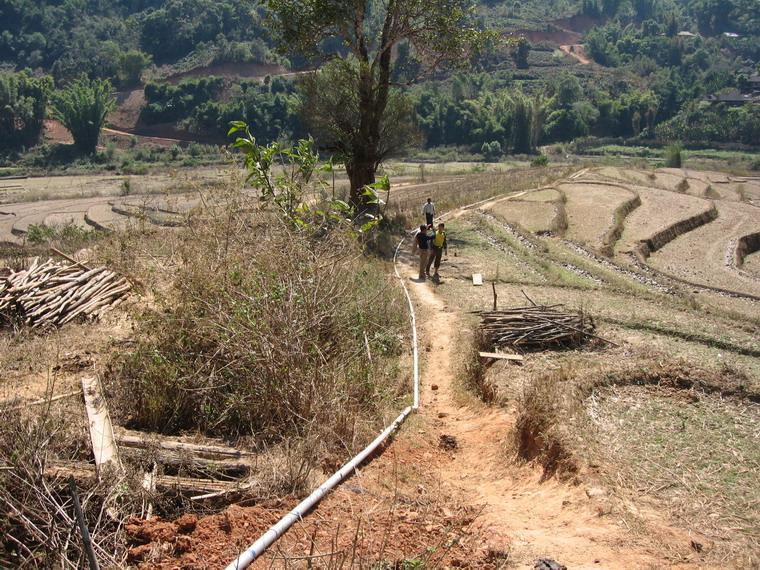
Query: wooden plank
point(101, 430)
point(149, 484)
point(84, 472)
point(139, 440)
point(501, 356)
point(477, 279)
point(185, 459)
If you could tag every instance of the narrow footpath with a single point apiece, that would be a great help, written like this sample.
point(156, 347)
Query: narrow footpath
point(520, 515)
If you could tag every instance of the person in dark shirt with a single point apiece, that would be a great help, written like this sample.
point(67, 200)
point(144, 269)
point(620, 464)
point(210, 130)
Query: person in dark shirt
point(438, 245)
point(422, 244)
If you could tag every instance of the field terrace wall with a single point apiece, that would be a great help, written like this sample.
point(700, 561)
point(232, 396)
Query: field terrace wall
point(660, 239)
point(618, 225)
point(746, 245)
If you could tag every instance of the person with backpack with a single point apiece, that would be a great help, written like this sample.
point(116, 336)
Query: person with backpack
point(422, 244)
point(438, 245)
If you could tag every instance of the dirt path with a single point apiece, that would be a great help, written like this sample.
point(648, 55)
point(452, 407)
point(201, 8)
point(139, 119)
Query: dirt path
point(577, 51)
point(521, 514)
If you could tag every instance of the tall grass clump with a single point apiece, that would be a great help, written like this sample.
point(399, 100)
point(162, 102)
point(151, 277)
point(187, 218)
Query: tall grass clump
point(540, 433)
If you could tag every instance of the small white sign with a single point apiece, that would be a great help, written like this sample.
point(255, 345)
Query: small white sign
point(477, 279)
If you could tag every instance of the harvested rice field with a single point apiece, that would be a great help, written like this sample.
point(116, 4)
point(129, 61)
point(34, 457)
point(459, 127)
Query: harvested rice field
point(705, 255)
point(537, 217)
point(591, 210)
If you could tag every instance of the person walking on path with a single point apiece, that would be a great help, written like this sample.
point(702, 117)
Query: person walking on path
point(429, 210)
point(422, 244)
point(438, 245)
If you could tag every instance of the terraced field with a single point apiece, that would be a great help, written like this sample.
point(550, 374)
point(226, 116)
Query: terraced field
point(591, 209)
point(537, 211)
point(659, 210)
point(705, 255)
point(103, 213)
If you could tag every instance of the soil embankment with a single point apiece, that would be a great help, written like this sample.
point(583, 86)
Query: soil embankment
point(746, 245)
point(665, 236)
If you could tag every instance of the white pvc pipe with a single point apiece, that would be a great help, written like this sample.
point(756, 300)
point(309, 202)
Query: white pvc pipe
point(269, 537)
point(413, 317)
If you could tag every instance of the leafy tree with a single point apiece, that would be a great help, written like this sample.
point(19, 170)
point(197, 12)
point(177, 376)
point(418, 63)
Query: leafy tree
point(491, 151)
point(439, 32)
point(132, 63)
point(332, 108)
point(520, 53)
point(82, 108)
point(23, 100)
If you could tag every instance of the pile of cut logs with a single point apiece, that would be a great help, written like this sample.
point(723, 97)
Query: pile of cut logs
point(536, 327)
point(52, 293)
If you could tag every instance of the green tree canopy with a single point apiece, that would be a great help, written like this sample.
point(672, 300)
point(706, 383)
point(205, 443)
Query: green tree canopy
point(82, 107)
point(23, 101)
point(132, 63)
point(438, 33)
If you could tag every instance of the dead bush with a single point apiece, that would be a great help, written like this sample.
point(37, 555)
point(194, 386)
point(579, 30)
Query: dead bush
point(267, 331)
point(544, 411)
point(475, 371)
point(37, 520)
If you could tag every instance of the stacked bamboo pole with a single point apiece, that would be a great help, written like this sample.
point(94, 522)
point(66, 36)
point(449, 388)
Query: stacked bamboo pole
point(53, 294)
point(536, 327)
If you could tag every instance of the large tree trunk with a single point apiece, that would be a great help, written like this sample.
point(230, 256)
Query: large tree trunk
point(361, 173)
point(374, 84)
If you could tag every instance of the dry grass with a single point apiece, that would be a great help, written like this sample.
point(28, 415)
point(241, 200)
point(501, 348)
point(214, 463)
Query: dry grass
point(696, 456)
point(37, 520)
point(539, 434)
point(474, 371)
point(262, 333)
point(469, 189)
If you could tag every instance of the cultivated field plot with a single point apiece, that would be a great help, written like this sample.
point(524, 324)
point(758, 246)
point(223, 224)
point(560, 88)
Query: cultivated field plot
point(88, 186)
point(695, 456)
point(590, 209)
point(659, 210)
point(101, 213)
point(705, 255)
point(537, 217)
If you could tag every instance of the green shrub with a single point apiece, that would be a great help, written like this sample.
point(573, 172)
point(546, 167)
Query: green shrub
point(673, 157)
point(65, 235)
point(540, 161)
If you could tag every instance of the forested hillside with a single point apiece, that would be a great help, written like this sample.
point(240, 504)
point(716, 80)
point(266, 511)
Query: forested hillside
point(660, 71)
point(108, 38)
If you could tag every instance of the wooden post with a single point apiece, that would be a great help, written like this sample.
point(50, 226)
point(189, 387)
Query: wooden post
point(493, 285)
